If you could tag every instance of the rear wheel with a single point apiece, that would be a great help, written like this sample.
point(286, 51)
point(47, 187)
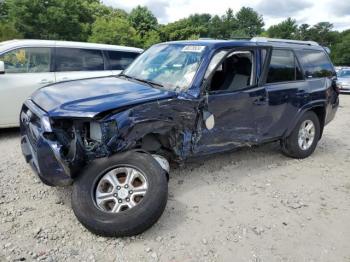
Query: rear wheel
point(304, 138)
point(120, 196)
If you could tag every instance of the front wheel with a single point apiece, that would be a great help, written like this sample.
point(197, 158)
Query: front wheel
point(303, 140)
point(122, 195)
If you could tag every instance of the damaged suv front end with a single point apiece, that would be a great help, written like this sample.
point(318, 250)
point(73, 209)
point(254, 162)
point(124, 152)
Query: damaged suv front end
point(58, 149)
point(68, 125)
point(36, 144)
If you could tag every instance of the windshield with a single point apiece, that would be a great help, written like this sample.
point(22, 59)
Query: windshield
point(344, 73)
point(169, 66)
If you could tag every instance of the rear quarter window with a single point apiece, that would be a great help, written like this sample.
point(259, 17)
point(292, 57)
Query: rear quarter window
point(119, 60)
point(315, 63)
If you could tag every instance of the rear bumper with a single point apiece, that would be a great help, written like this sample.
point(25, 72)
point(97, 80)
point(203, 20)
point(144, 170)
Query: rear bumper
point(42, 154)
point(332, 108)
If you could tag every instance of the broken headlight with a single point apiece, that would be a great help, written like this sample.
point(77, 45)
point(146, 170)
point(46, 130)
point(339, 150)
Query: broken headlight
point(45, 124)
point(95, 131)
point(103, 131)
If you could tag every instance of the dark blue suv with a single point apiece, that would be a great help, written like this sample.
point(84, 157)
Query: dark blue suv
point(114, 137)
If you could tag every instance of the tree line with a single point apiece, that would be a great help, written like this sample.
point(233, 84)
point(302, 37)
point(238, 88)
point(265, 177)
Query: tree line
point(92, 21)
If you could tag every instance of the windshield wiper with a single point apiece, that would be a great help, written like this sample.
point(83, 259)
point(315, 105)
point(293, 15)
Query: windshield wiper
point(149, 82)
point(124, 75)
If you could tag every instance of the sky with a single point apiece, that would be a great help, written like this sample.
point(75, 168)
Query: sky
point(273, 11)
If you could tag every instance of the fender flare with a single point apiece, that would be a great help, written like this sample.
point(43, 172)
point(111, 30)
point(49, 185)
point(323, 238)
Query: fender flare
point(307, 107)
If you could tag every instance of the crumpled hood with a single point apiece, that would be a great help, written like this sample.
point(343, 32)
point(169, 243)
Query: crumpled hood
point(89, 97)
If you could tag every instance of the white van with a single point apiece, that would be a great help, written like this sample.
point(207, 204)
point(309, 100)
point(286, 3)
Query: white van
point(26, 65)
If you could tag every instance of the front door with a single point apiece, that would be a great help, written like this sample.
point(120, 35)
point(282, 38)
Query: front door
point(232, 92)
point(26, 70)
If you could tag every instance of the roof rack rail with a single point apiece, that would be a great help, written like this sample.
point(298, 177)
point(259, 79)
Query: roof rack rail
point(239, 38)
point(206, 38)
point(287, 41)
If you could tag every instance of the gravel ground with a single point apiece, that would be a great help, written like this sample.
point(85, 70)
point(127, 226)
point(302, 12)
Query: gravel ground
point(251, 205)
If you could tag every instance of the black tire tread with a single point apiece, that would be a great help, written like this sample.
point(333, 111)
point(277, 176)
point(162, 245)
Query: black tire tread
point(126, 223)
point(290, 145)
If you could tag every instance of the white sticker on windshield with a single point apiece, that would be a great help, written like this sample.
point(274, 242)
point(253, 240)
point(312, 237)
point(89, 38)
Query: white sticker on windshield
point(193, 48)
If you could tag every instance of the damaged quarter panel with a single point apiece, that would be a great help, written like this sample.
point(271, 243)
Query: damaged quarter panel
point(170, 124)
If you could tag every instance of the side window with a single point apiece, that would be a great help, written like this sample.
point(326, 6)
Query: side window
point(315, 63)
point(27, 60)
point(119, 60)
point(234, 73)
point(75, 59)
point(283, 67)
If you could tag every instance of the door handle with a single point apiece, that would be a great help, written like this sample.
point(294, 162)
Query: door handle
point(260, 101)
point(302, 94)
point(45, 81)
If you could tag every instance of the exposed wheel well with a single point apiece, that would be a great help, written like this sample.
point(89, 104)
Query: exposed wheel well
point(156, 144)
point(151, 143)
point(321, 114)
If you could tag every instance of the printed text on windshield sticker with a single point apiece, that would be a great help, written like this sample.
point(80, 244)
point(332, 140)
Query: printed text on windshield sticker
point(193, 48)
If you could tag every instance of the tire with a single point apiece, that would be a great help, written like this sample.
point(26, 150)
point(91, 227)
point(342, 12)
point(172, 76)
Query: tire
point(290, 145)
point(132, 221)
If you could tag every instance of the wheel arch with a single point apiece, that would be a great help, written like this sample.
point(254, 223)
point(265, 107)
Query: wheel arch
point(318, 107)
point(320, 111)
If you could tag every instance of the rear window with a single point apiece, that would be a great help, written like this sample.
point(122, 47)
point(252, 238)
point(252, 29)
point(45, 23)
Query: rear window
point(120, 60)
point(283, 67)
point(75, 59)
point(315, 63)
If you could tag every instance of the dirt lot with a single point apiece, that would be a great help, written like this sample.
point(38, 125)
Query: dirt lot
point(250, 205)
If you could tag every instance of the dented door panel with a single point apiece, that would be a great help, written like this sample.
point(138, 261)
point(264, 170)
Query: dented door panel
point(232, 126)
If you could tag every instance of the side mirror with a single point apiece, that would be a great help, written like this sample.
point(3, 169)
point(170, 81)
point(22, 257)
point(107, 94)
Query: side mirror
point(2, 67)
point(209, 120)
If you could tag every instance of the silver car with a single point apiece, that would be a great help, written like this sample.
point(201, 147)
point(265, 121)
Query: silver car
point(26, 65)
point(344, 80)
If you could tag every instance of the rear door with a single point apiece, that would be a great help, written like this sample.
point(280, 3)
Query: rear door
point(26, 69)
point(286, 91)
point(119, 60)
point(79, 63)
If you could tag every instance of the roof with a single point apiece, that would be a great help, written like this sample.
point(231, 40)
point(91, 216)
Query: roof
point(7, 45)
